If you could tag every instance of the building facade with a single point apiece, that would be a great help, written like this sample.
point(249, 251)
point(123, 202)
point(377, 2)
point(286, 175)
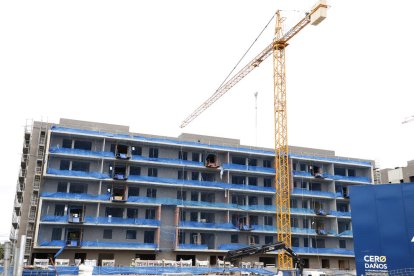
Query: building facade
point(399, 174)
point(102, 193)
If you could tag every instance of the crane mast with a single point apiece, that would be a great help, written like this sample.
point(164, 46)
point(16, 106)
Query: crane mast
point(281, 146)
point(282, 178)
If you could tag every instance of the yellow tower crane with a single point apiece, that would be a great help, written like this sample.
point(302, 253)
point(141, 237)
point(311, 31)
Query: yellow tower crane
point(282, 180)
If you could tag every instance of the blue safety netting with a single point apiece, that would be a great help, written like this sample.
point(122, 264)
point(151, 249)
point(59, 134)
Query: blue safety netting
point(97, 175)
point(348, 178)
point(331, 159)
point(105, 220)
point(337, 251)
point(302, 211)
point(197, 144)
point(222, 185)
point(74, 196)
point(193, 246)
point(334, 177)
point(168, 161)
point(98, 270)
point(207, 225)
point(300, 192)
point(267, 228)
point(346, 233)
point(341, 214)
point(296, 230)
point(231, 246)
point(61, 243)
point(229, 166)
point(82, 152)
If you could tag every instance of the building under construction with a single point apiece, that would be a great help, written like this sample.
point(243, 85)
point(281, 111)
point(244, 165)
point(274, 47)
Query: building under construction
point(102, 192)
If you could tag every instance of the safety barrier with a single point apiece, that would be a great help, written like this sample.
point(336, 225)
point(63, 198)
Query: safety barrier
point(229, 166)
point(105, 220)
point(300, 191)
point(102, 244)
point(146, 270)
point(74, 196)
point(341, 214)
point(96, 175)
point(336, 251)
point(195, 224)
point(203, 145)
point(193, 246)
point(231, 246)
point(345, 233)
point(82, 152)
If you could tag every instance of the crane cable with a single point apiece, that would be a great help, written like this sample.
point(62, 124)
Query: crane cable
point(237, 64)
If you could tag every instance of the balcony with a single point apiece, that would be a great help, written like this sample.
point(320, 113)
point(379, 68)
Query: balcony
point(23, 161)
point(22, 174)
point(17, 203)
point(13, 235)
point(15, 220)
point(19, 188)
point(231, 246)
point(99, 245)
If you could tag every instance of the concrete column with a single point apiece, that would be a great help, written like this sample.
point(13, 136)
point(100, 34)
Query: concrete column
point(7, 249)
point(21, 255)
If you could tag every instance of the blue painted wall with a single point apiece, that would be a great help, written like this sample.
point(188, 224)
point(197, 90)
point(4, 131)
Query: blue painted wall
point(383, 227)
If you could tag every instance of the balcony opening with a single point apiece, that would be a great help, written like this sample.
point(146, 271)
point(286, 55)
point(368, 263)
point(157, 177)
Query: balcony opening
point(76, 214)
point(316, 171)
point(118, 193)
point(254, 239)
point(119, 172)
point(73, 237)
point(345, 192)
point(319, 228)
point(211, 161)
point(318, 208)
point(114, 212)
point(122, 152)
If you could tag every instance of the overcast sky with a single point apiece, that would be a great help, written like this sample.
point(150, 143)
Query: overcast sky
point(148, 64)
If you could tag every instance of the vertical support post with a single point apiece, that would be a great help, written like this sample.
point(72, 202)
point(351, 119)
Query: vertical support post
point(21, 255)
point(281, 146)
point(7, 249)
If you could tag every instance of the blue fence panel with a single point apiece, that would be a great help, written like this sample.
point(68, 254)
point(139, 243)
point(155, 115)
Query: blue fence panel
point(296, 230)
point(147, 270)
point(345, 233)
point(118, 244)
